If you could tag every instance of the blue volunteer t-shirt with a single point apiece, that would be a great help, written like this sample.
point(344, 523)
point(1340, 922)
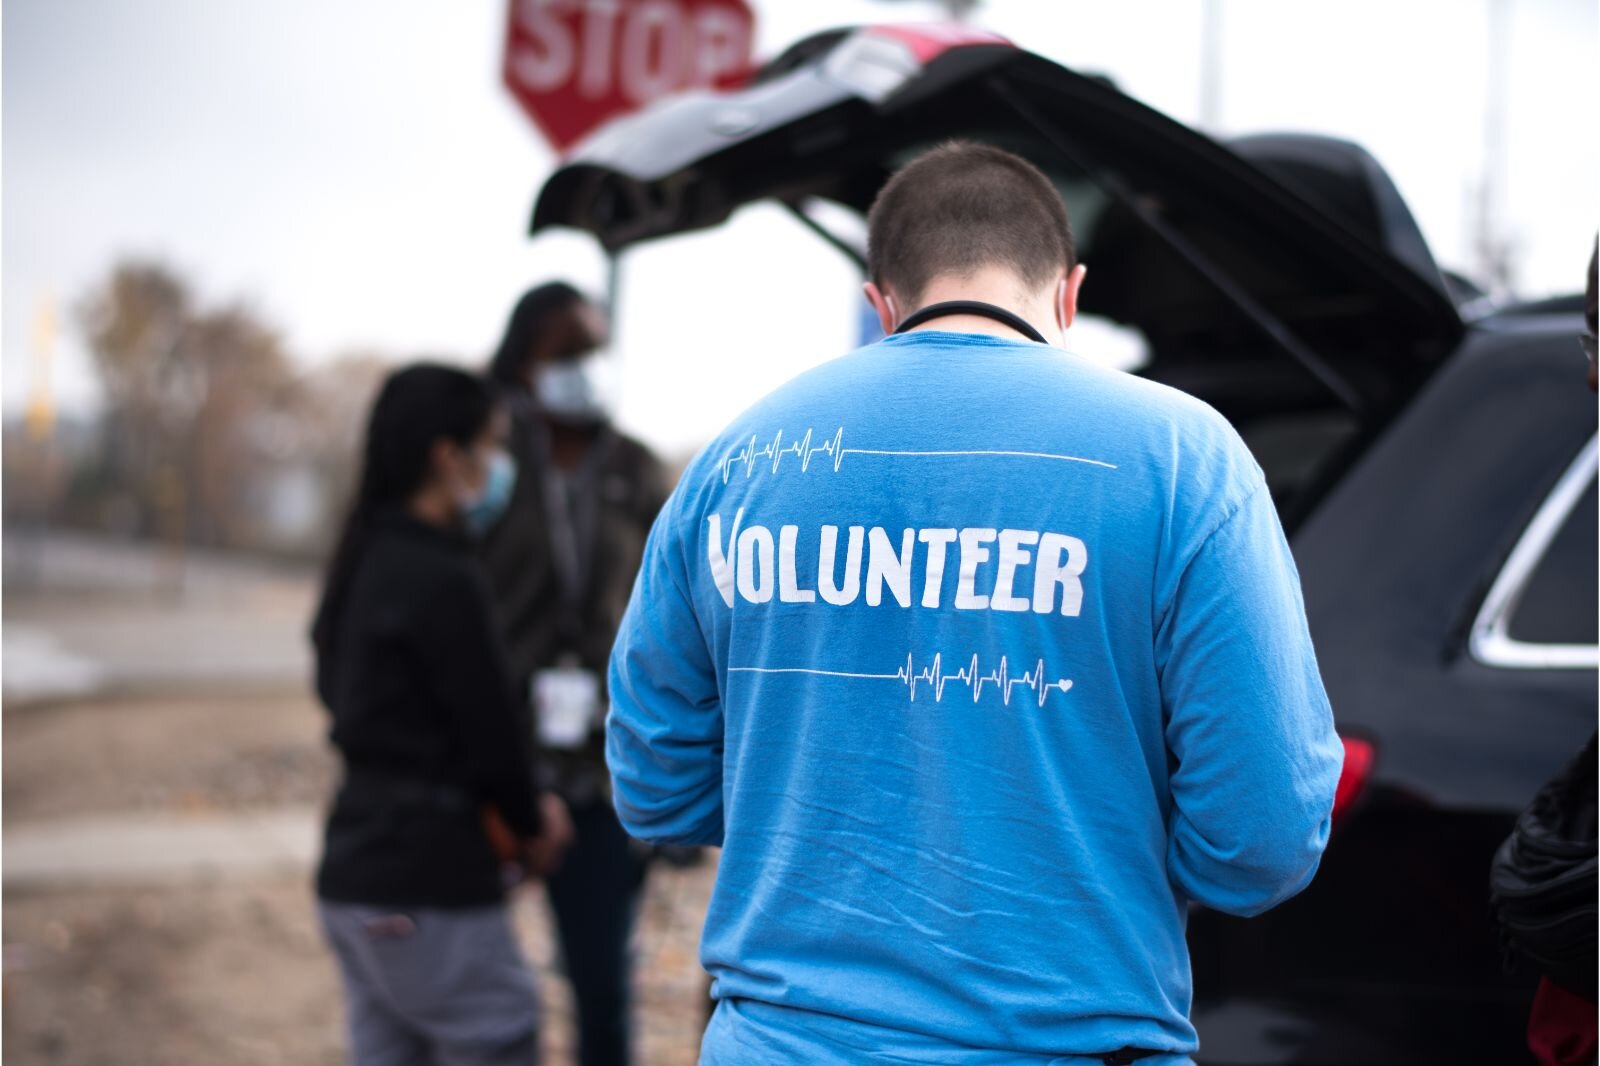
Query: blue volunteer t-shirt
point(980, 662)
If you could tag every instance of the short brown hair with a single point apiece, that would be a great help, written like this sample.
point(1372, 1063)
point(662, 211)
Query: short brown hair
point(960, 207)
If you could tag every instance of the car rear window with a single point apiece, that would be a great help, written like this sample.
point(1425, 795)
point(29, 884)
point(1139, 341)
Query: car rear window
point(1558, 603)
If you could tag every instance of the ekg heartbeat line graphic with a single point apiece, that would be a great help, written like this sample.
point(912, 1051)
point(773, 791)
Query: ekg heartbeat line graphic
point(934, 677)
point(801, 449)
point(833, 447)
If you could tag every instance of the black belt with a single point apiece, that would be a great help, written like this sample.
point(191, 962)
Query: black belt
point(1125, 1055)
point(368, 784)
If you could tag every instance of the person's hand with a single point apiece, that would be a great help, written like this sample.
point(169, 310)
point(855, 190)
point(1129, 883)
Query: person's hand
point(541, 855)
point(506, 846)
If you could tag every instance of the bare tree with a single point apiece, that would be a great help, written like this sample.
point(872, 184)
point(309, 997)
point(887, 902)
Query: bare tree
point(183, 391)
point(134, 325)
point(334, 402)
point(244, 384)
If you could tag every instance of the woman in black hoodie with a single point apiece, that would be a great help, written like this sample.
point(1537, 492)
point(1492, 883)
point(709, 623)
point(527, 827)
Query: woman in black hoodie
point(437, 801)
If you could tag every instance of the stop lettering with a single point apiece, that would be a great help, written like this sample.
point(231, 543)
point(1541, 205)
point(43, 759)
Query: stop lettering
point(574, 64)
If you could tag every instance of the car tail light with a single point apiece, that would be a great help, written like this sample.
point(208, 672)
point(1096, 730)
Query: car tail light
point(1358, 756)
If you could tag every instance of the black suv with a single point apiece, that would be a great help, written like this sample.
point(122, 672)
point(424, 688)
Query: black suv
point(1435, 468)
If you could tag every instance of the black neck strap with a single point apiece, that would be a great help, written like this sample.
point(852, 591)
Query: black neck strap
point(972, 307)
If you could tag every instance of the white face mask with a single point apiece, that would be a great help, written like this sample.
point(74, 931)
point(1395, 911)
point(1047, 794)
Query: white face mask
point(571, 390)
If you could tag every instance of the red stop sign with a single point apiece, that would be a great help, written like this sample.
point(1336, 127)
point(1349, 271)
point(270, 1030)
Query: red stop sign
point(573, 64)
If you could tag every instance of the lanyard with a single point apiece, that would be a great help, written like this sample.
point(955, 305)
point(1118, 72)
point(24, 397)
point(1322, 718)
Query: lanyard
point(566, 539)
point(972, 307)
point(571, 507)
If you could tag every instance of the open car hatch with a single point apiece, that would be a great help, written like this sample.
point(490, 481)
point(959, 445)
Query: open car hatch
point(1282, 274)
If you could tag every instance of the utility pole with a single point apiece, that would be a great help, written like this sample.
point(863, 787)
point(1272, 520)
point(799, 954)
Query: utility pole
point(1492, 245)
point(40, 418)
point(1211, 65)
point(41, 476)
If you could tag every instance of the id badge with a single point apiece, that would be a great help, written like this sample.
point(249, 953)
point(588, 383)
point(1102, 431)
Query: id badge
point(566, 700)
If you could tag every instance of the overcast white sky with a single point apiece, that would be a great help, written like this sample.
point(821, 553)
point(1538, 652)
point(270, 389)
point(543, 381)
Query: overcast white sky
point(356, 172)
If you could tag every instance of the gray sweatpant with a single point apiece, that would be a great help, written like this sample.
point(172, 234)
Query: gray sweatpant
point(434, 986)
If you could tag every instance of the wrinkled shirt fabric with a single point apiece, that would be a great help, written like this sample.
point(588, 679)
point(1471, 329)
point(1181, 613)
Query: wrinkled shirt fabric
point(980, 662)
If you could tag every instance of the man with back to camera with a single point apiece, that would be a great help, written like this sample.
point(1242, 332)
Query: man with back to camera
point(980, 662)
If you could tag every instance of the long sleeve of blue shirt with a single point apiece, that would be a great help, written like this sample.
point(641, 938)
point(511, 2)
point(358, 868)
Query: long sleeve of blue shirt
point(664, 728)
point(1248, 722)
point(980, 663)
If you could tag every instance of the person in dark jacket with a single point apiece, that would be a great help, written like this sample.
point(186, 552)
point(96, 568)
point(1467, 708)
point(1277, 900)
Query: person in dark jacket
point(435, 746)
point(562, 563)
point(1542, 880)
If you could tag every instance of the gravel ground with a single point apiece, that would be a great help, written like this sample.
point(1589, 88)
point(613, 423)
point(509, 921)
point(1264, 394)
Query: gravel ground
point(190, 751)
point(234, 972)
point(237, 975)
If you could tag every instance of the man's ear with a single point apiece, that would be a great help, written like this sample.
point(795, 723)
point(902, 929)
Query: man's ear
point(882, 303)
point(1067, 296)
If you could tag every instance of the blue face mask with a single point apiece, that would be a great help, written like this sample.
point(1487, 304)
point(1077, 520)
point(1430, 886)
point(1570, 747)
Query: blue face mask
point(481, 514)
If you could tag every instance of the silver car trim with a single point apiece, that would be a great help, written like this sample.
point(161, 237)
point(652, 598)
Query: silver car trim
point(1491, 642)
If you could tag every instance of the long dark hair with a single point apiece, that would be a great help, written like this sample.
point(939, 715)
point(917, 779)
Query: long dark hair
point(509, 366)
point(418, 405)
